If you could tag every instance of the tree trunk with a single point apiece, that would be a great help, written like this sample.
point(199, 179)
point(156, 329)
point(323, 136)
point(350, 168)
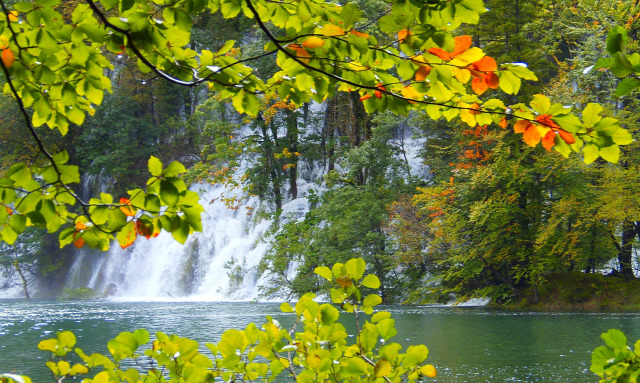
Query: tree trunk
point(24, 280)
point(625, 253)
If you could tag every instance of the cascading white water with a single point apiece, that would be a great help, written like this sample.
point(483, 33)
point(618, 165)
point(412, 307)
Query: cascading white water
point(216, 265)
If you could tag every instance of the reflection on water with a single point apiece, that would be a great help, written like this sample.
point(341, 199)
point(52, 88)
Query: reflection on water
point(466, 344)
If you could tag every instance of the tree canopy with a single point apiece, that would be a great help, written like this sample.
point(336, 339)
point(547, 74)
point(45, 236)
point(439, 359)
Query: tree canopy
point(409, 57)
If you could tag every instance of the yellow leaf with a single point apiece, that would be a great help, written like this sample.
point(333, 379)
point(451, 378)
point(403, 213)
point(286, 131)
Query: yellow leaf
point(354, 65)
point(468, 117)
point(4, 42)
point(410, 92)
point(383, 368)
point(13, 16)
point(467, 57)
point(428, 371)
point(332, 30)
point(462, 75)
point(313, 42)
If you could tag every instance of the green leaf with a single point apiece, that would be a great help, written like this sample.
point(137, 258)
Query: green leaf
point(591, 114)
point(386, 328)
point(285, 307)
point(627, 86)
point(371, 281)
point(355, 268)
point(590, 153)
point(174, 169)
point(610, 153)
point(615, 339)
point(168, 193)
point(616, 40)
point(155, 166)
point(509, 83)
point(371, 300)
point(622, 137)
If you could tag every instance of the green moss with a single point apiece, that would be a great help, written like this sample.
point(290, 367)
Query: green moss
point(77, 294)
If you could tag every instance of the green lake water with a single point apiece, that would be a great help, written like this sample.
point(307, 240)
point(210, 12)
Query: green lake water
point(465, 344)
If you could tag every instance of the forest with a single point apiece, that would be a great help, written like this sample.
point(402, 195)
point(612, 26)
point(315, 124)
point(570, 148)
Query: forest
point(524, 113)
point(496, 215)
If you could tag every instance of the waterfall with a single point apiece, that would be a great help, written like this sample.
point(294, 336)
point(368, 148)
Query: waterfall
point(218, 264)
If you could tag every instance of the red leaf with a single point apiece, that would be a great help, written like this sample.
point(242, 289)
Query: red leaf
point(548, 140)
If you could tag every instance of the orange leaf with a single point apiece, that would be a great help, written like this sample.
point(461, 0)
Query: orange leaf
point(485, 64)
point(475, 108)
point(303, 55)
point(566, 136)
point(492, 80)
point(440, 53)
point(521, 126)
point(403, 35)
point(9, 210)
point(462, 43)
point(422, 72)
point(80, 226)
point(344, 281)
point(378, 94)
point(127, 210)
point(479, 85)
point(7, 58)
point(359, 34)
point(78, 243)
point(365, 97)
point(13, 16)
point(546, 120)
point(531, 135)
point(503, 123)
point(548, 140)
point(313, 42)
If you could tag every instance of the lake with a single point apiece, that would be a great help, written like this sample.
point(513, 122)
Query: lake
point(465, 344)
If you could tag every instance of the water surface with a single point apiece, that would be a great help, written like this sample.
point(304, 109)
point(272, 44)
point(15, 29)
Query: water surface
point(466, 344)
